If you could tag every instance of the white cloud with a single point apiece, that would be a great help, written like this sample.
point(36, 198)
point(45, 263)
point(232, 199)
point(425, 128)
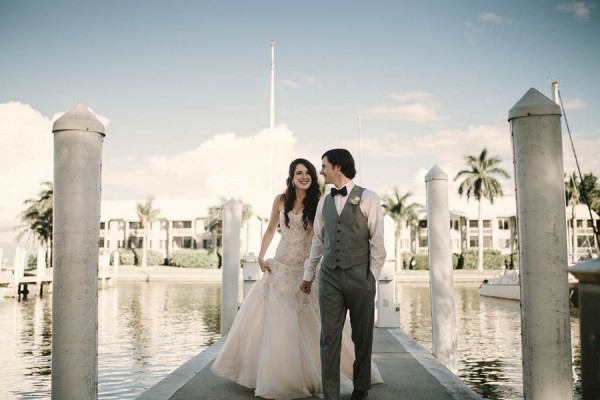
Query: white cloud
point(289, 83)
point(27, 160)
point(574, 104)
point(490, 17)
point(484, 21)
point(419, 107)
point(224, 166)
point(311, 80)
point(578, 9)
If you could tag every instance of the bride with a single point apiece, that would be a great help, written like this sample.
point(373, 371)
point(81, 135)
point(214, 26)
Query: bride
point(273, 344)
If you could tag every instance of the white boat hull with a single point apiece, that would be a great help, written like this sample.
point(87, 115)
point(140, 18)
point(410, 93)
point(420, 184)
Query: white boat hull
point(506, 286)
point(502, 291)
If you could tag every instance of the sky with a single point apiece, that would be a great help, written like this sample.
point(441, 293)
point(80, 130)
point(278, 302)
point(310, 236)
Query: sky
point(183, 90)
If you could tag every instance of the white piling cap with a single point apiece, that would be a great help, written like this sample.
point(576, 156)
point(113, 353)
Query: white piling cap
point(436, 174)
point(533, 103)
point(587, 271)
point(79, 118)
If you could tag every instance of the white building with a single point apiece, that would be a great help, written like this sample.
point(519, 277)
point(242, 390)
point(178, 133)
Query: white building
point(499, 228)
point(182, 224)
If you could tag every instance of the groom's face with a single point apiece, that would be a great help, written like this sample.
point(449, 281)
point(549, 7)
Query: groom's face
point(329, 172)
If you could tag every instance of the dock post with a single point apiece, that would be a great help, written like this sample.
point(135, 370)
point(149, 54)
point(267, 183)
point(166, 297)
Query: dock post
point(116, 266)
point(18, 269)
point(41, 270)
point(251, 272)
point(78, 138)
point(545, 327)
point(232, 217)
point(588, 274)
point(443, 319)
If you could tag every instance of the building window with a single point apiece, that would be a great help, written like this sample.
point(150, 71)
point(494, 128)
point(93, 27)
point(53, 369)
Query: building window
point(423, 224)
point(487, 223)
point(135, 225)
point(182, 242)
point(135, 243)
point(503, 243)
point(503, 224)
point(473, 223)
point(473, 242)
point(454, 225)
point(586, 241)
point(102, 243)
point(182, 224)
point(116, 225)
point(423, 242)
point(102, 225)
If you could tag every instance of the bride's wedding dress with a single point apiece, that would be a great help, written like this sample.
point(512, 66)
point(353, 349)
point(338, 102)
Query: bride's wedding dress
point(273, 344)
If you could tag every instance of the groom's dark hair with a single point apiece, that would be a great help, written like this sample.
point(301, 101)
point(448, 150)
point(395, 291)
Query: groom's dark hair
point(344, 159)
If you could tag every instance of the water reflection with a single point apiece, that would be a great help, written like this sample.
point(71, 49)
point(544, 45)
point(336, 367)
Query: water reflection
point(146, 330)
point(154, 329)
point(488, 337)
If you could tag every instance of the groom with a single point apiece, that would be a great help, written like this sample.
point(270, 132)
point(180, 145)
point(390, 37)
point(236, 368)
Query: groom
point(348, 240)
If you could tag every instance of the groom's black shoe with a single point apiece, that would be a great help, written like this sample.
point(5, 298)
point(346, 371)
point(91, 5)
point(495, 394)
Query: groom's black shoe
point(359, 394)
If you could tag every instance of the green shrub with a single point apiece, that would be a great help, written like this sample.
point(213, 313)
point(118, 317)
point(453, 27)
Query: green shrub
point(470, 259)
point(415, 261)
point(126, 256)
point(185, 258)
point(492, 259)
point(153, 257)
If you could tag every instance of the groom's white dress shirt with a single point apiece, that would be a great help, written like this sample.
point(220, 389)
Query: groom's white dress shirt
point(371, 208)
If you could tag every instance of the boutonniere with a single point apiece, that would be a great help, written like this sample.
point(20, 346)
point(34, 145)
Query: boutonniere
point(354, 201)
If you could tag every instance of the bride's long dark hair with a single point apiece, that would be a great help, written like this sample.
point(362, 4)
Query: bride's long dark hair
point(312, 194)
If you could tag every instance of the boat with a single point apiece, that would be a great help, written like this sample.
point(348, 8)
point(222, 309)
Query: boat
point(507, 286)
point(503, 286)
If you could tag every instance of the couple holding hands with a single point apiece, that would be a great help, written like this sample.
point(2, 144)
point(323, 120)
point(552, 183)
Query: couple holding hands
point(291, 338)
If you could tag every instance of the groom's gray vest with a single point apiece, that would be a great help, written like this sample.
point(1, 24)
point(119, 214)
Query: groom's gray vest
point(346, 236)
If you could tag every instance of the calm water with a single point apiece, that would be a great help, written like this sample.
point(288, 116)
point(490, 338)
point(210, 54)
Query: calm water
point(146, 330)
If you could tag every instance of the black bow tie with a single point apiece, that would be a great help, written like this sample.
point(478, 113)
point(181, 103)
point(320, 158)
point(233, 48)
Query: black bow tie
point(343, 192)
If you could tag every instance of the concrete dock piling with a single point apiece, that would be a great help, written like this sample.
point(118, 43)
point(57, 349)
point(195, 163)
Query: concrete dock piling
point(78, 139)
point(546, 334)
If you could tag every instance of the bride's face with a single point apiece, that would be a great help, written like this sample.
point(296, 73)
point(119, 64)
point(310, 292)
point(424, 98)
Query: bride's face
point(302, 178)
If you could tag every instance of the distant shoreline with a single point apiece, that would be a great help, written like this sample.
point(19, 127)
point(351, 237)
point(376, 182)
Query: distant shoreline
point(199, 275)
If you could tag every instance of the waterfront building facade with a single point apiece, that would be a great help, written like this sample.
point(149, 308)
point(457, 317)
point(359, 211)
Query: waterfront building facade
point(183, 224)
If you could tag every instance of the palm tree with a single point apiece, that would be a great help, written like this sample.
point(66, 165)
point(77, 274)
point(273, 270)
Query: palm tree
point(573, 197)
point(214, 221)
point(402, 213)
point(37, 219)
point(590, 194)
point(147, 215)
point(479, 182)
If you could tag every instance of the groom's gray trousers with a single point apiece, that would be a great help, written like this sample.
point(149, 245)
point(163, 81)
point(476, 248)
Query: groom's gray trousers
point(340, 290)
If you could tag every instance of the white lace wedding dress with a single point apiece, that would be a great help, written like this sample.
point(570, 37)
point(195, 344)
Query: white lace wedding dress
point(273, 344)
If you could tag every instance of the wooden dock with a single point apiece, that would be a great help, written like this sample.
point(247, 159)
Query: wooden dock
point(22, 291)
point(409, 372)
